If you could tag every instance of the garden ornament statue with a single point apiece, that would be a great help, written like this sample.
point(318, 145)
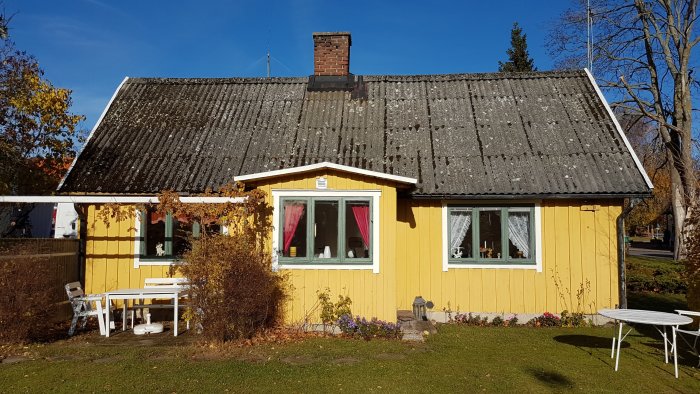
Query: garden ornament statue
point(419, 309)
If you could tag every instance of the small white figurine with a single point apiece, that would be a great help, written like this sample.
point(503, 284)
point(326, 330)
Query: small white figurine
point(159, 249)
point(458, 252)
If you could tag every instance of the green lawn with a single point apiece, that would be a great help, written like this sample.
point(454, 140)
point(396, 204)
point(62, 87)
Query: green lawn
point(458, 358)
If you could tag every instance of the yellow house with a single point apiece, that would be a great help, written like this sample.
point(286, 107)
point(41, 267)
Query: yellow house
point(485, 193)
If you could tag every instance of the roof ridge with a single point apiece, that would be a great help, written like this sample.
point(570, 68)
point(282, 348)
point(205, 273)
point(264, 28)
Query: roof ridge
point(368, 78)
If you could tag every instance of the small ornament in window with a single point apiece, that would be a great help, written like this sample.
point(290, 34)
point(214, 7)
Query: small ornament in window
point(159, 249)
point(458, 251)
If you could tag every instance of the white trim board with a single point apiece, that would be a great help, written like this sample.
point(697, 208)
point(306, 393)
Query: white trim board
point(538, 240)
point(325, 165)
point(97, 124)
point(619, 129)
point(116, 199)
point(374, 194)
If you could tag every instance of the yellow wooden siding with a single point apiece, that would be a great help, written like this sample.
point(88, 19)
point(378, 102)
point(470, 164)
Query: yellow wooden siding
point(372, 295)
point(109, 260)
point(579, 264)
point(110, 256)
point(578, 248)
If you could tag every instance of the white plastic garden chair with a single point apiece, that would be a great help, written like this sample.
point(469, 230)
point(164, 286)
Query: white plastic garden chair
point(692, 333)
point(82, 305)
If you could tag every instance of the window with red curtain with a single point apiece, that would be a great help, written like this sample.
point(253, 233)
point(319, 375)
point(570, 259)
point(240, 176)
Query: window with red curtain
point(294, 228)
point(326, 230)
point(357, 229)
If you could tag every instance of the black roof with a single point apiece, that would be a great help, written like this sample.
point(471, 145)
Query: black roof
point(529, 134)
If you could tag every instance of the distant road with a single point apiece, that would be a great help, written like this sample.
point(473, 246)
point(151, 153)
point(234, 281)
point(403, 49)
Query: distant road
point(656, 253)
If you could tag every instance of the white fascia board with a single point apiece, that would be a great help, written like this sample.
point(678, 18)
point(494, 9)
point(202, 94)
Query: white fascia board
point(97, 124)
point(325, 165)
point(640, 167)
point(115, 199)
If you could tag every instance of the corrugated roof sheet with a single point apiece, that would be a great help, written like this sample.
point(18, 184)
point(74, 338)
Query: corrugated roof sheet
point(468, 134)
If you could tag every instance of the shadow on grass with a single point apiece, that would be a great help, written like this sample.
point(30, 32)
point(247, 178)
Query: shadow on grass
point(588, 341)
point(550, 378)
point(655, 343)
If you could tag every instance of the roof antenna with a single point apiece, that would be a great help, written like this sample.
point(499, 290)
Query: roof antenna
point(268, 53)
point(589, 39)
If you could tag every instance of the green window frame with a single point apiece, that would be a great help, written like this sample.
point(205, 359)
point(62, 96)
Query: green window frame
point(477, 256)
point(311, 257)
point(167, 241)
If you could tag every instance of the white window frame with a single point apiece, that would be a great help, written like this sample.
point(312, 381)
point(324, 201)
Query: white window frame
point(446, 265)
point(374, 194)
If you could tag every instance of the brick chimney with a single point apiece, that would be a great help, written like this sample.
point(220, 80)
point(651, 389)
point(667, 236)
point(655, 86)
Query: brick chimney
point(332, 54)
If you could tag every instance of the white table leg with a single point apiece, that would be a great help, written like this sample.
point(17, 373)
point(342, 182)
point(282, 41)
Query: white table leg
point(663, 334)
point(612, 351)
point(107, 320)
point(619, 340)
point(100, 317)
point(175, 317)
point(124, 316)
point(675, 350)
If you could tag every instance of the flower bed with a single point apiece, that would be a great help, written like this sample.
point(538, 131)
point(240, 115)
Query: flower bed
point(359, 327)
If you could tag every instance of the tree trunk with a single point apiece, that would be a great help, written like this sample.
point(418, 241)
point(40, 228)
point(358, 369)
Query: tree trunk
point(679, 215)
point(685, 193)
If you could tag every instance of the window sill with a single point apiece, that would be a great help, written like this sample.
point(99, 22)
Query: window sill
point(486, 261)
point(494, 265)
point(326, 266)
point(155, 262)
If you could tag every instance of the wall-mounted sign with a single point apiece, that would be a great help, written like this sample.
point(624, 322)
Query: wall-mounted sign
point(321, 183)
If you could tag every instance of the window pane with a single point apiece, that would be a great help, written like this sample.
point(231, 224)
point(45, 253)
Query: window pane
point(211, 229)
point(182, 231)
point(294, 225)
point(490, 233)
point(155, 234)
point(461, 233)
point(519, 235)
point(326, 229)
point(357, 229)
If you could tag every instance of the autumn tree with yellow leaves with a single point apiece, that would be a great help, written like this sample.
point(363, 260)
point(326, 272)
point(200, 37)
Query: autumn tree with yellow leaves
point(38, 132)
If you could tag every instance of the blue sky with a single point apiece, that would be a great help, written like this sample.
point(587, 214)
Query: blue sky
point(89, 46)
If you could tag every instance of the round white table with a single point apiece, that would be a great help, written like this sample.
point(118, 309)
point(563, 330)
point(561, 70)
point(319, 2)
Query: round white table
point(653, 318)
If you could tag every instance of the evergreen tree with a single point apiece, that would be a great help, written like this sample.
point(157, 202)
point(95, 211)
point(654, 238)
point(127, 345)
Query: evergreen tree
point(518, 58)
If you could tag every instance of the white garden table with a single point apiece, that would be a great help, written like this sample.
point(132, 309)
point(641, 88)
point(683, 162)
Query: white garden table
point(160, 292)
point(653, 318)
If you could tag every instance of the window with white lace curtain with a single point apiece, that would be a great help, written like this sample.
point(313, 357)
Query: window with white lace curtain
point(491, 235)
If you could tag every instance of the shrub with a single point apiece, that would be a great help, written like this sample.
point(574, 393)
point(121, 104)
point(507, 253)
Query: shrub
point(234, 294)
point(470, 320)
point(692, 264)
point(545, 320)
point(651, 275)
point(359, 327)
point(331, 312)
point(575, 319)
point(26, 300)
point(476, 320)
